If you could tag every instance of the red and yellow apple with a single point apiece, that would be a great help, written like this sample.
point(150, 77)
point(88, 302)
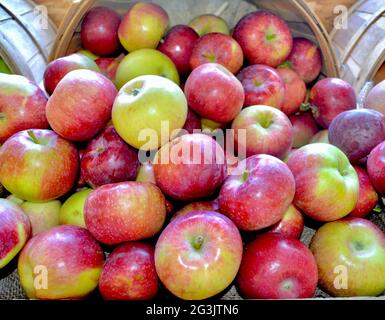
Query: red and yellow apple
point(208, 23)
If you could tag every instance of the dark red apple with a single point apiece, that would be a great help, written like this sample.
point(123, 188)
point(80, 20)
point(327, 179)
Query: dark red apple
point(376, 167)
point(304, 128)
point(193, 122)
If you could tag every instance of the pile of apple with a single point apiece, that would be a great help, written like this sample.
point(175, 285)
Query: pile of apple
point(77, 186)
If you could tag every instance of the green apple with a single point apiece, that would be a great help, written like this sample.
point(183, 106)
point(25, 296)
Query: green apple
point(88, 54)
point(72, 210)
point(4, 68)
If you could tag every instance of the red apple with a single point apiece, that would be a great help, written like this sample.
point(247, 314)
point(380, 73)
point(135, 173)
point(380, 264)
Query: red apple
point(304, 128)
point(291, 225)
point(376, 98)
point(109, 66)
point(376, 167)
point(193, 122)
point(197, 206)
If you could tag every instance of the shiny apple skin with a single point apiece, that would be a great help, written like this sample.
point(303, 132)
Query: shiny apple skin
point(291, 225)
point(304, 128)
point(295, 91)
point(376, 167)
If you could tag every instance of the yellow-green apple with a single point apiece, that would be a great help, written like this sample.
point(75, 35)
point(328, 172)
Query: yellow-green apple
point(43, 215)
point(291, 225)
point(375, 99)
point(143, 26)
point(129, 273)
point(327, 185)
point(15, 229)
point(146, 173)
point(145, 62)
point(275, 267)
point(38, 165)
point(99, 31)
point(81, 105)
point(219, 48)
point(262, 85)
point(190, 167)
point(208, 23)
point(264, 37)
point(304, 128)
point(22, 106)
point(198, 255)
point(142, 115)
point(72, 210)
point(197, 206)
point(350, 255)
point(178, 45)
point(4, 67)
point(68, 261)
point(357, 132)
point(193, 122)
point(214, 93)
point(320, 137)
point(211, 126)
point(125, 211)
point(109, 66)
point(268, 131)
point(57, 69)
point(246, 198)
point(376, 167)
point(15, 199)
point(88, 54)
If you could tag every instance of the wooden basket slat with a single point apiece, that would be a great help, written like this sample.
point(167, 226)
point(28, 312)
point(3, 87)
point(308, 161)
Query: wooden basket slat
point(371, 6)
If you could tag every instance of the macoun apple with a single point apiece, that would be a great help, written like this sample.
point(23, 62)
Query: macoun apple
point(375, 99)
point(320, 137)
point(69, 259)
point(268, 131)
point(198, 255)
point(146, 173)
point(22, 106)
point(376, 167)
point(264, 37)
point(81, 105)
point(275, 267)
point(197, 206)
point(214, 93)
point(72, 210)
point(304, 128)
point(143, 26)
point(247, 199)
point(142, 112)
point(4, 67)
point(329, 97)
point(109, 66)
point(193, 122)
point(327, 185)
point(178, 45)
point(291, 225)
point(357, 132)
point(129, 273)
point(57, 69)
point(125, 211)
point(208, 23)
point(15, 229)
point(350, 255)
point(262, 85)
point(38, 165)
point(219, 48)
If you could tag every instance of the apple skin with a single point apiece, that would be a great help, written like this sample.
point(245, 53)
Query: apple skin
point(218, 48)
point(146, 173)
point(320, 137)
point(81, 105)
point(57, 69)
point(198, 255)
point(275, 267)
point(327, 185)
point(305, 59)
point(329, 97)
point(129, 273)
point(88, 54)
point(214, 93)
point(197, 206)
point(142, 105)
point(291, 225)
point(376, 97)
point(125, 211)
point(268, 131)
point(304, 128)
point(15, 229)
point(264, 37)
point(359, 246)
point(108, 159)
point(376, 167)
point(262, 85)
point(143, 26)
point(193, 122)
point(22, 106)
point(247, 198)
point(209, 23)
point(40, 171)
point(73, 262)
point(72, 210)
point(109, 66)
point(190, 167)
point(178, 45)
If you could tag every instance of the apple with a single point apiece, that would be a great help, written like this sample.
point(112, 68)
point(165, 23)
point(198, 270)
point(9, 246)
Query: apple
point(22, 106)
point(304, 128)
point(125, 211)
point(375, 99)
point(69, 258)
point(4, 68)
point(193, 122)
point(247, 198)
point(15, 199)
point(81, 105)
point(211, 126)
point(376, 167)
point(178, 45)
point(38, 165)
point(262, 85)
point(190, 167)
point(198, 255)
point(72, 210)
point(268, 131)
point(142, 110)
point(129, 273)
point(208, 23)
point(357, 132)
point(352, 249)
point(88, 54)
point(109, 66)
point(291, 225)
point(327, 185)
point(264, 37)
point(143, 26)
point(146, 173)
point(275, 267)
point(214, 93)
point(197, 206)
point(15, 229)
point(320, 137)
point(57, 69)
point(329, 97)
point(219, 48)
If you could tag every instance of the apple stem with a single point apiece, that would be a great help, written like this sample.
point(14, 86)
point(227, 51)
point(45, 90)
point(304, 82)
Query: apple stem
point(377, 209)
point(32, 136)
point(305, 107)
point(198, 242)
